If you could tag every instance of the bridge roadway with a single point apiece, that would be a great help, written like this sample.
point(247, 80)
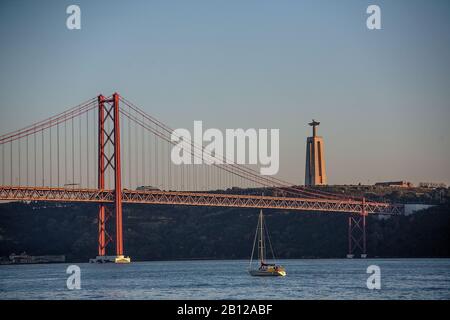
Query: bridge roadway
point(13, 193)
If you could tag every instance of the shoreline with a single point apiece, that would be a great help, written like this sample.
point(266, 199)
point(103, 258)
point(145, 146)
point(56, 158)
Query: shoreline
point(229, 260)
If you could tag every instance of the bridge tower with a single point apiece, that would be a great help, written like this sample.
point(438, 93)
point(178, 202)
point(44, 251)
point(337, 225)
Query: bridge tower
point(315, 173)
point(357, 233)
point(108, 111)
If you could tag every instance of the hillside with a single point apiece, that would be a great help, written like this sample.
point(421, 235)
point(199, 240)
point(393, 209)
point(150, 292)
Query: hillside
point(165, 232)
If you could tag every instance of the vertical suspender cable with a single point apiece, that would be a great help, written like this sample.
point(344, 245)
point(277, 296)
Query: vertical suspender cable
point(27, 160)
point(136, 153)
point(50, 145)
point(87, 150)
point(129, 152)
point(194, 167)
point(95, 145)
point(157, 159)
point(11, 166)
point(3, 165)
point(42, 157)
point(93, 151)
point(73, 156)
point(156, 162)
point(182, 175)
point(35, 166)
point(143, 153)
point(57, 154)
point(169, 161)
point(65, 152)
point(163, 164)
point(20, 164)
point(79, 129)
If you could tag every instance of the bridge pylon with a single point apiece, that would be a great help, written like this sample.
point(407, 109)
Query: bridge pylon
point(357, 233)
point(108, 111)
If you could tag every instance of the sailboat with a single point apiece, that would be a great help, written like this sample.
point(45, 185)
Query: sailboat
point(264, 268)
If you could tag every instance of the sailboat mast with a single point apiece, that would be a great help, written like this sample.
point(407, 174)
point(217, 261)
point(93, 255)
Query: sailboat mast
point(261, 223)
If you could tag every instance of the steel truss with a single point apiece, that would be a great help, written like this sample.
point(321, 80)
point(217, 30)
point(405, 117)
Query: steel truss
point(198, 199)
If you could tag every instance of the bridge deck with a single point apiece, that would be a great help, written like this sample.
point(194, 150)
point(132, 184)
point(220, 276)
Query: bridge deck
point(196, 199)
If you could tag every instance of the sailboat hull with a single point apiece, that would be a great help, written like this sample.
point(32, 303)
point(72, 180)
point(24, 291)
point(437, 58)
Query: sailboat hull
point(265, 273)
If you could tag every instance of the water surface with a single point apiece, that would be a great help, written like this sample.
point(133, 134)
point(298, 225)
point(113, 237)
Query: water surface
point(306, 279)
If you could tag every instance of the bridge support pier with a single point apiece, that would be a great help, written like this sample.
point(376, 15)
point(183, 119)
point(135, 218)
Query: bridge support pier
point(357, 234)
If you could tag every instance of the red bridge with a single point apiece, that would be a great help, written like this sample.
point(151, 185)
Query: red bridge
point(59, 160)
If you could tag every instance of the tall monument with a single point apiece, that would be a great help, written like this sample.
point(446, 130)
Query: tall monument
point(315, 173)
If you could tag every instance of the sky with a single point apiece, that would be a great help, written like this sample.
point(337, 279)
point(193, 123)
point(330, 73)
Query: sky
point(382, 96)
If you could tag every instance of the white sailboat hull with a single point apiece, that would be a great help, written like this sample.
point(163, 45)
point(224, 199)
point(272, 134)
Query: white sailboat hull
point(265, 273)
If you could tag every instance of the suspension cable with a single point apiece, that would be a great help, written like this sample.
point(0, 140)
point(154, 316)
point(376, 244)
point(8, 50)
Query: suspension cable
point(272, 180)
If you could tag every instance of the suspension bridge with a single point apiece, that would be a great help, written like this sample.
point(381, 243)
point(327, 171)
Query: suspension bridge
point(109, 151)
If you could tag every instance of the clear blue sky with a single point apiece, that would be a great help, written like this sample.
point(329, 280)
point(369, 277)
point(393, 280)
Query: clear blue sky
point(383, 97)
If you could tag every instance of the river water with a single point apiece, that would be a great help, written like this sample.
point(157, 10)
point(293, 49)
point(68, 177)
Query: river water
point(306, 279)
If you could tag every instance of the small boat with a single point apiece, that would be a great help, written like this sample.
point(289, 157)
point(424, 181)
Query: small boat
point(122, 259)
point(264, 269)
point(110, 259)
